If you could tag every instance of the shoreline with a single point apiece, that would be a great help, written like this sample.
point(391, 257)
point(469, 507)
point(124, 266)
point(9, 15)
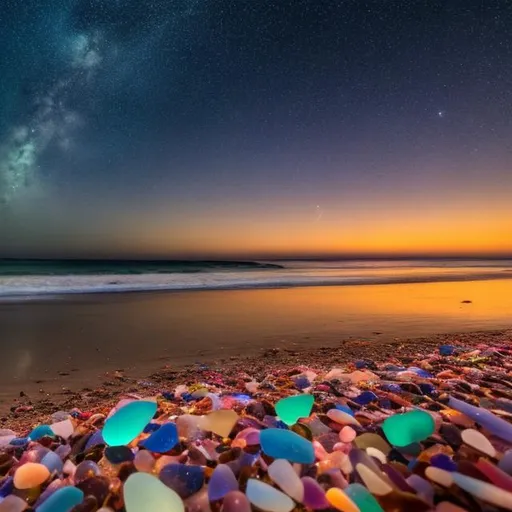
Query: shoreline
point(26, 411)
point(10, 292)
point(305, 282)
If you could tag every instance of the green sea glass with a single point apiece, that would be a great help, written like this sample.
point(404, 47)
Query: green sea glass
point(145, 493)
point(408, 428)
point(292, 408)
point(128, 422)
point(362, 498)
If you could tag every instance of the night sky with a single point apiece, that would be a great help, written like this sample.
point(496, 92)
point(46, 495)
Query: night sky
point(255, 128)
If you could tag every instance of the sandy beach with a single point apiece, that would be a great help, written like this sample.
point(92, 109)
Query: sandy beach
point(106, 342)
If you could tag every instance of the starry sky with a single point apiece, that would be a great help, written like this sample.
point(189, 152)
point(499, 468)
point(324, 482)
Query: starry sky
point(255, 128)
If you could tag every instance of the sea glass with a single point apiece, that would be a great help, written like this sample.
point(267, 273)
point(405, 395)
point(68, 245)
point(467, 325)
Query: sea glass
point(219, 422)
point(63, 428)
point(30, 475)
point(291, 408)
point(221, 482)
point(285, 444)
point(411, 427)
point(365, 501)
point(477, 440)
point(314, 494)
point(144, 493)
point(184, 479)
point(163, 439)
point(342, 417)
point(282, 473)
point(118, 454)
point(340, 501)
point(236, 501)
point(62, 500)
point(128, 422)
point(53, 462)
point(41, 431)
point(267, 498)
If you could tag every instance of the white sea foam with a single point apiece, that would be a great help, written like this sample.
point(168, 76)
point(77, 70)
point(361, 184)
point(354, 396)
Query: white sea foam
point(295, 274)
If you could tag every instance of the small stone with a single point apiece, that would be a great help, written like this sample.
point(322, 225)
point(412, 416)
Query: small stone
point(62, 500)
point(86, 469)
point(144, 461)
point(342, 417)
point(282, 473)
point(144, 493)
point(188, 426)
point(221, 482)
point(30, 475)
point(182, 478)
point(219, 422)
point(128, 422)
point(347, 434)
point(267, 498)
point(446, 506)
point(163, 439)
point(285, 444)
point(236, 501)
point(292, 408)
point(13, 503)
point(408, 428)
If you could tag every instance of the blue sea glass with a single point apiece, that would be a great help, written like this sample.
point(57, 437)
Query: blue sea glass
point(94, 440)
point(53, 462)
point(221, 482)
point(41, 431)
point(62, 500)
point(128, 422)
point(420, 372)
point(494, 424)
point(365, 398)
point(344, 408)
point(7, 487)
point(446, 350)
point(442, 461)
point(118, 454)
point(151, 427)
point(184, 479)
point(285, 444)
point(163, 439)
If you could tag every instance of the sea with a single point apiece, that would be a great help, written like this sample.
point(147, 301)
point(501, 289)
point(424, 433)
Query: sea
point(26, 279)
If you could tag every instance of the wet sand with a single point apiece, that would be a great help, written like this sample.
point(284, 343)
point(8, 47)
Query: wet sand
point(66, 343)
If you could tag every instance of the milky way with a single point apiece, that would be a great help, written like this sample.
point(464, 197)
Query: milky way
point(52, 123)
point(217, 127)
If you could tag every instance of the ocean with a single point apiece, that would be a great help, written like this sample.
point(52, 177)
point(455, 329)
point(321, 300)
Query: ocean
point(37, 278)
